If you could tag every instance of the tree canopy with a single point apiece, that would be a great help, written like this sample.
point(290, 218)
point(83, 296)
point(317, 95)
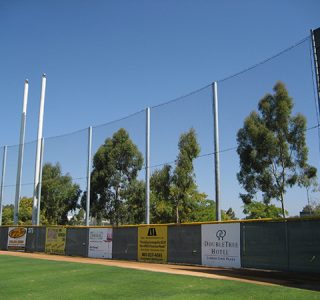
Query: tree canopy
point(272, 149)
point(59, 195)
point(115, 169)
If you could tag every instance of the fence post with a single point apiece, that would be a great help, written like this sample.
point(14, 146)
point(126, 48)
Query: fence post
point(4, 160)
point(148, 165)
point(21, 151)
point(89, 175)
point(38, 153)
point(316, 66)
point(216, 149)
point(40, 182)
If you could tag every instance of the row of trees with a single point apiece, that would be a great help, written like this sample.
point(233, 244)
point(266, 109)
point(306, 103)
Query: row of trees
point(117, 195)
point(273, 157)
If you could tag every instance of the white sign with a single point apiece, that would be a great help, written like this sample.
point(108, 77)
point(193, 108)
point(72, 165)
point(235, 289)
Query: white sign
point(17, 238)
point(100, 242)
point(221, 245)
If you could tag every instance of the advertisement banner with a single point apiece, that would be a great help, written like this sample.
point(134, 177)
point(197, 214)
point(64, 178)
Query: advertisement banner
point(152, 243)
point(56, 240)
point(17, 238)
point(221, 245)
point(100, 243)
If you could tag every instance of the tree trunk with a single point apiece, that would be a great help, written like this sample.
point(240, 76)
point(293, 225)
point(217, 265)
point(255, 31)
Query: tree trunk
point(177, 214)
point(282, 206)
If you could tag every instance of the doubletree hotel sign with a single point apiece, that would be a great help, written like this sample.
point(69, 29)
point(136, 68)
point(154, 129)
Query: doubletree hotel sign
point(221, 245)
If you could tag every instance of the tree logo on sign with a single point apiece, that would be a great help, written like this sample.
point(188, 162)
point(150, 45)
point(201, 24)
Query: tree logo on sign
point(221, 234)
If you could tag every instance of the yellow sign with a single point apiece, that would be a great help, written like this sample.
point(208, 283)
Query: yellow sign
point(56, 240)
point(152, 243)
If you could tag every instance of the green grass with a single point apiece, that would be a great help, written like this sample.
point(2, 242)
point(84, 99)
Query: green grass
point(27, 278)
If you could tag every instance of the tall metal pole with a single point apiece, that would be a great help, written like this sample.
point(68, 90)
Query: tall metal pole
point(148, 165)
point(37, 164)
point(89, 175)
point(21, 151)
point(40, 182)
point(316, 67)
point(216, 149)
point(4, 160)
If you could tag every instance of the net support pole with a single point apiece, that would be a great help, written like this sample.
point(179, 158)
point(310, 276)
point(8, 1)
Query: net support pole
point(216, 149)
point(4, 161)
point(316, 64)
point(148, 165)
point(20, 154)
point(40, 182)
point(89, 175)
point(38, 151)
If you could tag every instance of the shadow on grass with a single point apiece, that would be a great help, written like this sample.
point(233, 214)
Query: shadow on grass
point(305, 281)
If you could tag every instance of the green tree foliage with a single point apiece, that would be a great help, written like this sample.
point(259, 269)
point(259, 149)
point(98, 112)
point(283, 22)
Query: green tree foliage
point(78, 218)
point(7, 214)
point(272, 149)
point(309, 181)
point(184, 188)
point(312, 209)
point(174, 192)
point(161, 200)
point(135, 207)
point(229, 214)
point(260, 210)
point(115, 168)
point(59, 195)
point(25, 213)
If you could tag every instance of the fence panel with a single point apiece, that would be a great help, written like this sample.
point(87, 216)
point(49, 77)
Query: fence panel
point(304, 246)
point(264, 245)
point(125, 243)
point(184, 244)
point(36, 239)
point(77, 242)
point(3, 238)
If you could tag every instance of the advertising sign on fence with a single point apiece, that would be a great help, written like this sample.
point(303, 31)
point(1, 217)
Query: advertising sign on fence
point(56, 240)
point(17, 238)
point(100, 242)
point(152, 243)
point(221, 245)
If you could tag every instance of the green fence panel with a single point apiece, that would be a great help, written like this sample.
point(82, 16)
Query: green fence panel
point(304, 245)
point(3, 238)
point(77, 242)
point(184, 244)
point(264, 245)
point(125, 243)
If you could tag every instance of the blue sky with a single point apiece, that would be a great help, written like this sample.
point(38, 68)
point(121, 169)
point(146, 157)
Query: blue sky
point(108, 59)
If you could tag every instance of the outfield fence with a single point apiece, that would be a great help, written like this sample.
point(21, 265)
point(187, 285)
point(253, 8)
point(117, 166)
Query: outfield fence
point(289, 245)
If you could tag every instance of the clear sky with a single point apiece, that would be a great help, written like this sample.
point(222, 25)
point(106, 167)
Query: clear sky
point(105, 60)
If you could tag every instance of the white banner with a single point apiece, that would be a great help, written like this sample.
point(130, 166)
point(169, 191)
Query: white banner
point(221, 245)
point(17, 238)
point(100, 242)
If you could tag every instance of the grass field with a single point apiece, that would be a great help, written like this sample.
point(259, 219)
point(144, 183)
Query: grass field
point(27, 278)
